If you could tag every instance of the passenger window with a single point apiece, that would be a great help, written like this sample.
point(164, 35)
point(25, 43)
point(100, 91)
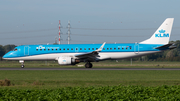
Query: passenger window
point(92, 48)
point(107, 48)
point(71, 48)
point(64, 49)
point(118, 48)
point(36, 49)
point(122, 48)
point(56, 49)
point(114, 48)
point(84, 48)
point(103, 48)
point(96, 48)
point(68, 49)
point(44, 49)
point(80, 48)
point(52, 49)
point(40, 49)
point(60, 49)
point(111, 48)
point(48, 49)
point(89, 48)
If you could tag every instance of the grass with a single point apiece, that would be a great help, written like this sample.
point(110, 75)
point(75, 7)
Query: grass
point(82, 78)
point(90, 84)
point(104, 64)
point(108, 93)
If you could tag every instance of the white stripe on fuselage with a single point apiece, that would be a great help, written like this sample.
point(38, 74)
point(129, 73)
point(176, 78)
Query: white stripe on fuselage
point(103, 55)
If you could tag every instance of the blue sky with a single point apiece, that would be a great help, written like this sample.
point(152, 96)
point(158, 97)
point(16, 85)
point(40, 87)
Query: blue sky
point(92, 21)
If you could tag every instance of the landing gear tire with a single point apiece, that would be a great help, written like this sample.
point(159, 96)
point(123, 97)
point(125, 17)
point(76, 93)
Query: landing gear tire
point(22, 66)
point(88, 65)
point(22, 63)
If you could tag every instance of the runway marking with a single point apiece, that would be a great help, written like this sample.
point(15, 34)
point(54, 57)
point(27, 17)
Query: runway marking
point(89, 68)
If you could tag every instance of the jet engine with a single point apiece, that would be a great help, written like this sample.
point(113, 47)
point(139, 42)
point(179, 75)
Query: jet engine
point(67, 61)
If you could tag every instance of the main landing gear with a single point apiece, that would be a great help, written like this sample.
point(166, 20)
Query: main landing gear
point(88, 65)
point(22, 63)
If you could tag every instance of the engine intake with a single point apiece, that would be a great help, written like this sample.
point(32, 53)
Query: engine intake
point(67, 61)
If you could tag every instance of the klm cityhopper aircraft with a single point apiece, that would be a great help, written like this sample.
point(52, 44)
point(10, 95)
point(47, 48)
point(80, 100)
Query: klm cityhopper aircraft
point(71, 54)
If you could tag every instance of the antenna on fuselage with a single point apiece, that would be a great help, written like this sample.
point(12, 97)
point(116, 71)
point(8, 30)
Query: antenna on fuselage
point(55, 40)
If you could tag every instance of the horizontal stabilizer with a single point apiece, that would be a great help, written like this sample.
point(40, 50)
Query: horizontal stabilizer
point(169, 46)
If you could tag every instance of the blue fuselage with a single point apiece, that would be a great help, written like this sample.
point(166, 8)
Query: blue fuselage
point(34, 50)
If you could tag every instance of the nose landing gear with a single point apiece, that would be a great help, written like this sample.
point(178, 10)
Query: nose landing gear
point(88, 65)
point(22, 63)
point(22, 66)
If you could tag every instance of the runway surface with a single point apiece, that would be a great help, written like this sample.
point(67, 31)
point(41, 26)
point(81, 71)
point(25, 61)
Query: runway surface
point(89, 68)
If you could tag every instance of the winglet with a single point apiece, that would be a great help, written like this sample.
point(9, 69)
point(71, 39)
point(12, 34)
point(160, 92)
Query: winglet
point(100, 49)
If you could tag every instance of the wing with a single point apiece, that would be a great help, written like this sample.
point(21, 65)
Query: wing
point(91, 56)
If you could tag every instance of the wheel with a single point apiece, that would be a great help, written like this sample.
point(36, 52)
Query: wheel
point(22, 63)
point(88, 65)
point(22, 66)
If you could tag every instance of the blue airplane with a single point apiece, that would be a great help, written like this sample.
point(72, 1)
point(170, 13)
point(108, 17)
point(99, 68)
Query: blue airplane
point(71, 54)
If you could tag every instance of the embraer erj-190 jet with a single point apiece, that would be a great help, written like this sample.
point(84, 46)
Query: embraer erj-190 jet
point(71, 54)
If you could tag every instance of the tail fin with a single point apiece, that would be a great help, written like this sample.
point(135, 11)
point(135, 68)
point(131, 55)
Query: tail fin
point(162, 34)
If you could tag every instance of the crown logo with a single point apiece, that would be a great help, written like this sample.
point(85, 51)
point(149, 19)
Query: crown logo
point(161, 31)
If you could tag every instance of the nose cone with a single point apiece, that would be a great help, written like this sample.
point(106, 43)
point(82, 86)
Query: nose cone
point(8, 55)
point(5, 56)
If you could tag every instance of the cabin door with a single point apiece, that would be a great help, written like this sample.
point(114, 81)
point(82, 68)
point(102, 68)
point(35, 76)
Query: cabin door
point(136, 48)
point(26, 50)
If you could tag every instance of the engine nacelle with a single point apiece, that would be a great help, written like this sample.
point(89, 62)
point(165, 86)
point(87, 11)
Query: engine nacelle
point(67, 61)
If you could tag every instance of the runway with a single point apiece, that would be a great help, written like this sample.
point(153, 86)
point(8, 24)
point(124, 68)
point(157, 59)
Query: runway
point(89, 68)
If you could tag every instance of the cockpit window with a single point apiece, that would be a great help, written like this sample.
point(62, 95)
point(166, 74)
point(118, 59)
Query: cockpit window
point(15, 49)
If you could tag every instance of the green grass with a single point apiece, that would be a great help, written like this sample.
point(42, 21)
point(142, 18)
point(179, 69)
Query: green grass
point(81, 78)
point(92, 84)
point(107, 93)
point(104, 64)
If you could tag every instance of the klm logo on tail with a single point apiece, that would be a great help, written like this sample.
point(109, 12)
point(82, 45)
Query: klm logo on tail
point(162, 34)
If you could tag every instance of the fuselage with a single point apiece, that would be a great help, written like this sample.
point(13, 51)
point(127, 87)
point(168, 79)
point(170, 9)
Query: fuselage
point(109, 51)
point(71, 54)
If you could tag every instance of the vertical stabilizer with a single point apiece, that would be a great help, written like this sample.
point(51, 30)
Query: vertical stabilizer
point(162, 34)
